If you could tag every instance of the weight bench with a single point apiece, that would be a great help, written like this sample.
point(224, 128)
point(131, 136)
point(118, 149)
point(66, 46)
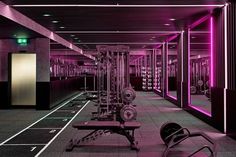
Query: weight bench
point(101, 128)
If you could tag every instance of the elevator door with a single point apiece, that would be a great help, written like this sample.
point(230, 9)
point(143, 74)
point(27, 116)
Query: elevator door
point(23, 79)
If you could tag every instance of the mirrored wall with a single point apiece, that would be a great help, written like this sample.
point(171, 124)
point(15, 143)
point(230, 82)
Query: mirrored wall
point(172, 70)
point(159, 71)
point(200, 67)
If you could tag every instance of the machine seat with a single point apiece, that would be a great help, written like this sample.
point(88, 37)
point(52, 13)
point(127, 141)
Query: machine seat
point(94, 125)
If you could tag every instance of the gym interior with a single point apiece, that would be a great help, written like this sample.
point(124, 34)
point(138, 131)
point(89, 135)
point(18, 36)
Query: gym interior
point(152, 78)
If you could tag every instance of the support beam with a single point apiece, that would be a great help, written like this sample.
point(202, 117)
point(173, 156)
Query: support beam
point(13, 15)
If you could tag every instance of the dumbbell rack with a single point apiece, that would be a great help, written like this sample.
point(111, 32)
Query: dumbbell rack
point(147, 79)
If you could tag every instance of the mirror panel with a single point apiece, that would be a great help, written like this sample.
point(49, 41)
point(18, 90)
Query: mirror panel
point(172, 70)
point(200, 67)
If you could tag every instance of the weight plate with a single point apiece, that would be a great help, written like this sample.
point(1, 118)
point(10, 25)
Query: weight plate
point(200, 82)
point(167, 129)
point(128, 113)
point(128, 95)
point(193, 90)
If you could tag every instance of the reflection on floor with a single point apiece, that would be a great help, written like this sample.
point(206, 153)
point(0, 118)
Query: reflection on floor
point(153, 111)
point(201, 102)
point(172, 94)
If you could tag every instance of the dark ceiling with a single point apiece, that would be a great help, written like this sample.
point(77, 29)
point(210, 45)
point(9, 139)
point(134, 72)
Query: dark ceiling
point(89, 19)
point(10, 29)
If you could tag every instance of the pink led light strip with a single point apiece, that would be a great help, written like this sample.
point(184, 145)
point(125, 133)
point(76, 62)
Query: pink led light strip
point(212, 57)
point(116, 6)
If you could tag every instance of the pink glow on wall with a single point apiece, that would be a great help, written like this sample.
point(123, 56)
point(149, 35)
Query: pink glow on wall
point(212, 54)
point(211, 68)
point(188, 42)
point(171, 96)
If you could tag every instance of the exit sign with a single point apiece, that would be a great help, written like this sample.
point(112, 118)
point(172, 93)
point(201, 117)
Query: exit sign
point(22, 41)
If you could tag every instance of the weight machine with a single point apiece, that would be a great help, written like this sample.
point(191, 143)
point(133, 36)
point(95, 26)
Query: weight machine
point(114, 92)
point(115, 112)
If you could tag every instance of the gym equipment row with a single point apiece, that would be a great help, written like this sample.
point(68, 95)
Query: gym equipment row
point(60, 67)
point(158, 76)
point(199, 75)
point(147, 78)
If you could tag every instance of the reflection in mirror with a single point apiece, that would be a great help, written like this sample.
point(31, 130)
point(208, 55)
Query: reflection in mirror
point(158, 71)
point(200, 67)
point(172, 70)
point(67, 66)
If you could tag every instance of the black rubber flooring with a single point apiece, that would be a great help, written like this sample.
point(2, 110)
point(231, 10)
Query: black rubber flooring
point(34, 136)
point(29, 142)
point(51, 123)
point(20, 150)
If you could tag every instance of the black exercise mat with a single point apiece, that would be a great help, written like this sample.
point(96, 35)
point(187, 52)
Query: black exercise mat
point(61, 113)
point(20, 151)
point(51, 123)
point(34, 136)
point(72, 106)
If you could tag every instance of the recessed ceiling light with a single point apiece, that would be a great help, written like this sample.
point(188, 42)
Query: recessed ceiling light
point(76, 38)
point(167, 24)
point(172, 19)
point(72, 35)
point(55, 21)
point(62, 27)
point(46, 15)
point(153, 37)
point(193, 37)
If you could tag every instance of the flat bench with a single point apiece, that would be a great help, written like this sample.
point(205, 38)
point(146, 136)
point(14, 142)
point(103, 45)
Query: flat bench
point(101, 128)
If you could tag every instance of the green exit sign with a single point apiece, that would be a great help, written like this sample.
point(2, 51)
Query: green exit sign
point(22, 41)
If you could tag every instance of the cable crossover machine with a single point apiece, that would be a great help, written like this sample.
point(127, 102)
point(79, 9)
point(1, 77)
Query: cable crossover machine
point(115, 111)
